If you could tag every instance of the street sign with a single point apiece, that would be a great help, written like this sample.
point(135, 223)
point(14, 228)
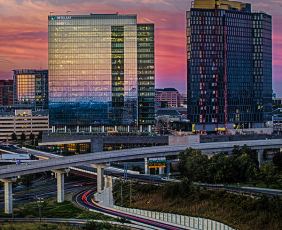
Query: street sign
point(154, 163)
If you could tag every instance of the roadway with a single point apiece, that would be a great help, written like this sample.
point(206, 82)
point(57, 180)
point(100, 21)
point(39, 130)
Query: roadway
point(242, 190)
point(46, 188)
point(84, 199)
point(90, 172)
point(130, 154)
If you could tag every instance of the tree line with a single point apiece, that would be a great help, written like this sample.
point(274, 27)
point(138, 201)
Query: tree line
point(241, 166)
point(23, 138)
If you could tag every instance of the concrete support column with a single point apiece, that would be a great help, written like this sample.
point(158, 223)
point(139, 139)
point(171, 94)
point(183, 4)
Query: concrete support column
point(168, 169)
point(100, 176)
point(103, 129)
point(260, 156)
point(128, 129)
point(8, 196)
point(60, 175)
point(109, 182)
point(150, 128)
point(90, 129)
point(65, 129)
point(161, 170)
point(116, 128)
point(77, 129)
point(146, 168)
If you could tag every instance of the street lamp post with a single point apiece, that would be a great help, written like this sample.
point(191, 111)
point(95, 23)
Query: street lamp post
point(39, 201)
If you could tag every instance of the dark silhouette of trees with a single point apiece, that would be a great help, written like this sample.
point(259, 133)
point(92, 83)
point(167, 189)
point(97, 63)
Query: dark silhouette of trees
point(239, 167)
point(32, 138)
point(14, 136)
point(23, 137)
point(277, 160)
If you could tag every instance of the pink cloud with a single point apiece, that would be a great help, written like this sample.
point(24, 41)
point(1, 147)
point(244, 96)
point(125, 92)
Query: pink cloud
point(23, 33)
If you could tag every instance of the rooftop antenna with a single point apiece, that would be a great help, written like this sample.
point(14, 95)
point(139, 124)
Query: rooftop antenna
point(51, 13)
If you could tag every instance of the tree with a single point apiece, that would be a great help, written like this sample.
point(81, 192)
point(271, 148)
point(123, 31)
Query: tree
point(39, 137)
point(277, 160)
point(36, 142)
point(14, 136)
point(268, 174)
point(32, 137)
point(23, 137)
point(221, 168)
point(193, 165)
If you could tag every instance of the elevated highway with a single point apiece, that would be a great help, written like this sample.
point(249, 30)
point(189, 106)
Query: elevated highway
point(131, 154)
point(62, 165)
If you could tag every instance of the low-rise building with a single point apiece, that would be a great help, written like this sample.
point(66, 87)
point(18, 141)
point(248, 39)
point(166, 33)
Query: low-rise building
point(277, 120)
point(277, 103)
point(168, 98)
point(22, 121)
point(31, 88)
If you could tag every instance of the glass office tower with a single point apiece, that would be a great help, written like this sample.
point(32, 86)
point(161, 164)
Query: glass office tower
point(229, 65)
point(95, 69)
point(31, 88)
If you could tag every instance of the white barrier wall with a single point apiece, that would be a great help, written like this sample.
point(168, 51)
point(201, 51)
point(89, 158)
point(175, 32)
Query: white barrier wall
point(183, 140)
point(193, 223)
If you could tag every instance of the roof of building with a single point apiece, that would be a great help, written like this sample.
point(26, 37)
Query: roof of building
point(167, 89)
point(92, 16)
point(29, 71)
point(222, 4)
point(167, 112)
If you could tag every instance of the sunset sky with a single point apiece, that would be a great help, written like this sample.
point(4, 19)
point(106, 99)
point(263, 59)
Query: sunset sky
point(24, 36)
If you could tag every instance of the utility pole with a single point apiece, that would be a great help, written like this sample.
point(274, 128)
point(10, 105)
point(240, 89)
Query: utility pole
point(125, 167)
point(130, 193)
point(121, 198)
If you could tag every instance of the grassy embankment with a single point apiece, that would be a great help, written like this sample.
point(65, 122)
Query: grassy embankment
point(240, 212)
point(51, 209)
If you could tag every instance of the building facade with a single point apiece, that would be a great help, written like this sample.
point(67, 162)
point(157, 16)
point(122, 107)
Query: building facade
point(229, 52)
point(277, 120)
point(277, 103)
point(31, 88)
point(22, 121)
point(101, 71)
point(168, 98)
point(6, 92)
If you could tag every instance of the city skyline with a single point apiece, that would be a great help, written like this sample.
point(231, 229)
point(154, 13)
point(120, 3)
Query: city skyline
point(24, 43)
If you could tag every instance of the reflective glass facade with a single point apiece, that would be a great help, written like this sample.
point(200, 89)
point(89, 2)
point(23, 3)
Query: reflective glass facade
point(262, 63)
point(146, 73)
point(31, 88)
point(229, 74)
point(93, 63)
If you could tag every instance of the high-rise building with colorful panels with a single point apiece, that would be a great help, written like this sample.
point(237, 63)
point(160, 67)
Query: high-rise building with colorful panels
point(229, 58)
point(101, 71)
